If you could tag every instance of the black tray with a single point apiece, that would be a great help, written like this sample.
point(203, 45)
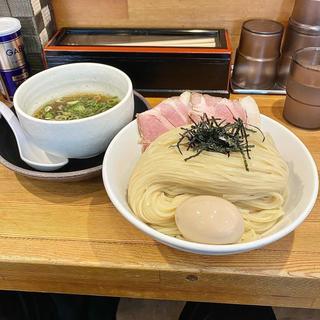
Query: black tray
point(75, 170)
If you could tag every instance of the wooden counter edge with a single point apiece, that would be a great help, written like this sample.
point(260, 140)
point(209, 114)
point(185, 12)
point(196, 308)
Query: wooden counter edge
point(213, 287)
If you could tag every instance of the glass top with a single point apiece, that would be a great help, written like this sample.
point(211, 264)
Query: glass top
point(112, 37)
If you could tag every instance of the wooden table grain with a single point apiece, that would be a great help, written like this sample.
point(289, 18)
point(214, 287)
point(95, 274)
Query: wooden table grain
point(68, 237)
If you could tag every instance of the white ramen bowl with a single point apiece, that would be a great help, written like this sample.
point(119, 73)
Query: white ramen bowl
point(124, 152)
point(80, 138)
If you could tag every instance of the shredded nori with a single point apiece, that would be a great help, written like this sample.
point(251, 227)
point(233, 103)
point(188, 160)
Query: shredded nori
point(215, 135)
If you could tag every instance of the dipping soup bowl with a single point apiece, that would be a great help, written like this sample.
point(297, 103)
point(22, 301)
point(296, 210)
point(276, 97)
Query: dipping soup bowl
point(81, 138)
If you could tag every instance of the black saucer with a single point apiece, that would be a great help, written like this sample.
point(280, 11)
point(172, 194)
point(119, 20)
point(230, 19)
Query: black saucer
point(76, 169)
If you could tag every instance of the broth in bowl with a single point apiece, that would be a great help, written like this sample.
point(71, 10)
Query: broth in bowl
point(76, 106)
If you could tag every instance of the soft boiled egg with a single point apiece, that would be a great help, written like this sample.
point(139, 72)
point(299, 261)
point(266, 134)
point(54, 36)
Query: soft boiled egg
point(211, 220)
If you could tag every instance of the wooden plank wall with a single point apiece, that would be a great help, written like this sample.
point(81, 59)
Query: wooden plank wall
point(169, 13)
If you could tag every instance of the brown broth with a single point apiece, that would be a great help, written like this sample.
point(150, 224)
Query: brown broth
point(76, 106)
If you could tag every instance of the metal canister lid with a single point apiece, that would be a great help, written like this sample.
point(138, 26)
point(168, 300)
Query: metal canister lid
point(263, 26)
point(261, 39)
point(9, 25)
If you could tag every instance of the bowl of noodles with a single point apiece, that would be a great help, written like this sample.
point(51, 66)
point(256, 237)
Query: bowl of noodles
point(274, 191)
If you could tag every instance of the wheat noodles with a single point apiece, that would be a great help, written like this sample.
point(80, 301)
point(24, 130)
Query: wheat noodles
point(162, 180)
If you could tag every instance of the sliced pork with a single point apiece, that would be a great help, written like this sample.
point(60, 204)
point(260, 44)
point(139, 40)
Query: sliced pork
point(175, 111)
point(151, 125)
point(252, 110)
point(201, 104)
point(219, 108)
point(178, 111)
point(170, 113)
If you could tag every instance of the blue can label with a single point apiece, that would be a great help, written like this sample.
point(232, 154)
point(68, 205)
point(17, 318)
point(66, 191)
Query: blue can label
point(13, 68)
point(13, 78)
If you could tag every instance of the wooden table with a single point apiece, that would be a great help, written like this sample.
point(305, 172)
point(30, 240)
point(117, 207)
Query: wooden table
point(68, 237)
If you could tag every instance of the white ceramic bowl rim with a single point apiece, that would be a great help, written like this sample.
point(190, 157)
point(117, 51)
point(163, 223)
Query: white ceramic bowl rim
point(65, 67)
point(207, 248)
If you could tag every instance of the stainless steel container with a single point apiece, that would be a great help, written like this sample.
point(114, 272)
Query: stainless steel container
point(294, 40)
point(301, 114)
point(302, 106)
point(306, 12)
point(254, 73)
point(261, 39)
point(258, 53)
point(303, 31)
